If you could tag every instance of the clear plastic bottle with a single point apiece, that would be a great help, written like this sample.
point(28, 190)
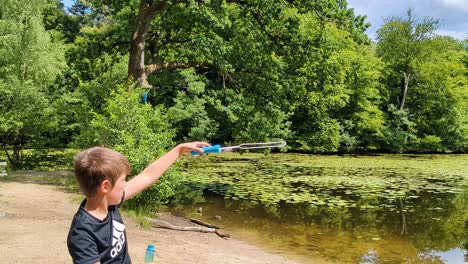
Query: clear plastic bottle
point(149, 255)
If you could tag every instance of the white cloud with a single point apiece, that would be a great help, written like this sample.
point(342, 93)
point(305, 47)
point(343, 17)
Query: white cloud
point(456, 4)
point(452, 14)
point(461, 35)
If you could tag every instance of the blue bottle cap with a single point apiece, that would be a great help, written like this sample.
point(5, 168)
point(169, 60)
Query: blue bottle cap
point(150, 248)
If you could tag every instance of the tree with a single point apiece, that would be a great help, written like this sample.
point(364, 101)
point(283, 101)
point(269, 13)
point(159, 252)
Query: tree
point(400, 44)
point(66, 23)
point(424, 77)
point(29, 61)
point(262, 66)
point(158, 26)
point(362, 120)
point(333, 80)
point(25, 118)
point(439, 107)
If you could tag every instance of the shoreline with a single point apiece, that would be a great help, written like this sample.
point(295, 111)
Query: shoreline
point(36, 219)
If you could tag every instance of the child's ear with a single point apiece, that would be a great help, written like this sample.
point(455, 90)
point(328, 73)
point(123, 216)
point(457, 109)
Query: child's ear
point(105, 186)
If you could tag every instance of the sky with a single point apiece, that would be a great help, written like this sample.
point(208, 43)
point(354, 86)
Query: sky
point(452, 14)
point(68, 3)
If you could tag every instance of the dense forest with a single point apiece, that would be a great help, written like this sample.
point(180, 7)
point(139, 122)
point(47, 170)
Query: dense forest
point(140, 75)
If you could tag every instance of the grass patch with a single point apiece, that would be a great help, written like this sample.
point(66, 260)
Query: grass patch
point(45, 159)
point(45, 166)
point(139, 216)
point(64, 179)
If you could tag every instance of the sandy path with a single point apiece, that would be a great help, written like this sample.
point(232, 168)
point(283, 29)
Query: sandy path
point(34, 222)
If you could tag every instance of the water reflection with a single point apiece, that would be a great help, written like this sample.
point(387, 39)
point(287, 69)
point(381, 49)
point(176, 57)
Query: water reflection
point(453, 256)
point(370, 257)
point(337, 215)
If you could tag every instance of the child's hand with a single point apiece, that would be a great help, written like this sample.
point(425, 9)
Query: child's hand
point(192, 146)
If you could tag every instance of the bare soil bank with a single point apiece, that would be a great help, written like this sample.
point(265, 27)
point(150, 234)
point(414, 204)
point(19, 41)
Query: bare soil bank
point(34, 222)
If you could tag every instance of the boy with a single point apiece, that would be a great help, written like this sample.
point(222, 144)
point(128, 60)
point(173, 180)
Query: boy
point(97, 233)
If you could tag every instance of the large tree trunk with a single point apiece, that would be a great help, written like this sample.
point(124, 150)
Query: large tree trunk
point(136, 65)
point(404, 230)
point(10, 160)
point(137, 69)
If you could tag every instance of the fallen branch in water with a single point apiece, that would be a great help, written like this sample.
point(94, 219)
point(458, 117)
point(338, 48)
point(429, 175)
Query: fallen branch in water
point(162, 224)
point(200, 222)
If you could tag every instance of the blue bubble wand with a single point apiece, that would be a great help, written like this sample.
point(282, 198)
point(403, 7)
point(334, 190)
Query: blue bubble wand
point(244, 146)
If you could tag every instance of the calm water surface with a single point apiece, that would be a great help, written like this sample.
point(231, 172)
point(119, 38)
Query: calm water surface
point(336, 209)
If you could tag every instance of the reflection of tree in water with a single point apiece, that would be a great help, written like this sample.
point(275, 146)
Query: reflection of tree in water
point(433, 220)
point(343, 211)
point(438, 221)
point(429, 223)
point(426, 257)
point(404, 230)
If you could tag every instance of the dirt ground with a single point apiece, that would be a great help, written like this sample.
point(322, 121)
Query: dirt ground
point(34, 222)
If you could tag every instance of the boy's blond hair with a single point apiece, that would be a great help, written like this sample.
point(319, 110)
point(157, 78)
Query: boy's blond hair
point(94, 165)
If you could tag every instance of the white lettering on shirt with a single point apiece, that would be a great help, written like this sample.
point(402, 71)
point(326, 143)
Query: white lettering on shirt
point(118, 238)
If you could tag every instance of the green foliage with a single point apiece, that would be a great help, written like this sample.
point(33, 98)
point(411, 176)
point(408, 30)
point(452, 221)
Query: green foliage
point(253, 57)
point(248, 71)
point(433, 67)
point(270, 123)
point(140, 132)
point(66, 25)
point(339, 83)
point(400, 45)
point(30, 61)
point(348, 143)
point(441, 94)
point(27, 51)
point(188, 114)
point(401, 131)
point(362, 119)
point(76, 100)
point(256, 71)
point(25, 118)
point(240, 71)
point(140, 217)
point(429, 143)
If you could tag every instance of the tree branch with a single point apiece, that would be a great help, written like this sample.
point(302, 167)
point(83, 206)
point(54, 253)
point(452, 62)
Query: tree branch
point(158, 67)
point(162, 224)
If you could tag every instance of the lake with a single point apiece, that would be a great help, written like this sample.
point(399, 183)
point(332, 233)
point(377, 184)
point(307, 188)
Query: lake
point(335, 209)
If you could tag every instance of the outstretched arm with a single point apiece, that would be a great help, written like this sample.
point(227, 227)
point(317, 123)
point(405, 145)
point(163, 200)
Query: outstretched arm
point(156, 169)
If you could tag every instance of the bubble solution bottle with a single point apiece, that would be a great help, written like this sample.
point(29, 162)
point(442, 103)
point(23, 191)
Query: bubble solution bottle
point(149, 255)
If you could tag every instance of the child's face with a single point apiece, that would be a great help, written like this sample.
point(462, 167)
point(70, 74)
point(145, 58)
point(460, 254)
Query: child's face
point(115, 195)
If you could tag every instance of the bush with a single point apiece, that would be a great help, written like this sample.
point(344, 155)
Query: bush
point(25, 119)
point(401, 131)
point(140, 132)
point(430, 143)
